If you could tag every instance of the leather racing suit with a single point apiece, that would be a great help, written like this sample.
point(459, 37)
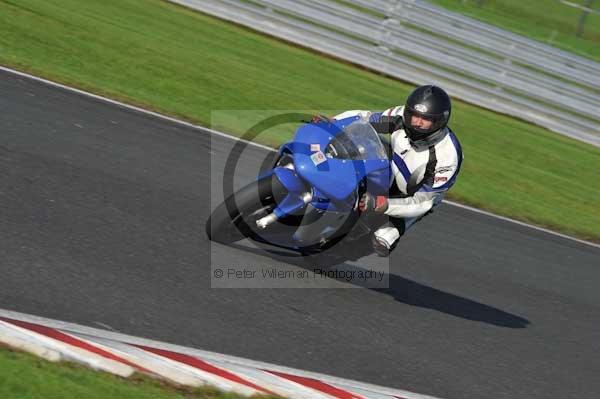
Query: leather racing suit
point(423, 172)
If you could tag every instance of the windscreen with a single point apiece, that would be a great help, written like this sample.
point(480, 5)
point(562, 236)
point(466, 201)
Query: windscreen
point(358, 141)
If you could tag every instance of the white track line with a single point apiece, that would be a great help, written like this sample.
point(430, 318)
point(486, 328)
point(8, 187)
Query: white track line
point(531, 226)
point(128, 106)
point(221, 134)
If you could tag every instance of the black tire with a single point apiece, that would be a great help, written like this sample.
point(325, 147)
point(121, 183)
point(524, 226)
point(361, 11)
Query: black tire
point(232, 220)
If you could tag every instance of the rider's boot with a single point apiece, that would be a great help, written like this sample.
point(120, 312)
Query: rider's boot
point(384, 239)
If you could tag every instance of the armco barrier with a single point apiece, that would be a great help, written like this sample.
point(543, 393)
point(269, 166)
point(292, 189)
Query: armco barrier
point(473, 61)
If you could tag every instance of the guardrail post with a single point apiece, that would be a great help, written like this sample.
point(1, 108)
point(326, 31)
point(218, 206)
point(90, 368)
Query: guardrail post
point(386, 36)
point(586, 10)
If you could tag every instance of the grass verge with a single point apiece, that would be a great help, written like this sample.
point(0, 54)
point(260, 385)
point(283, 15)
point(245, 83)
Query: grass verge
point(23, 376)
point(167, 58)
point(547, 21)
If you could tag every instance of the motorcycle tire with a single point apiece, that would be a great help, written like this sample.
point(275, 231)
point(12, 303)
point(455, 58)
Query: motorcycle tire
point(232, 219)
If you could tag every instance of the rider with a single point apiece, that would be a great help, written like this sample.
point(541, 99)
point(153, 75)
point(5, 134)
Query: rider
point(426, 161)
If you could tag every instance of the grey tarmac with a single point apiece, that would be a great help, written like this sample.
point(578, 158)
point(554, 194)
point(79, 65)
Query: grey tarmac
point(102, 213)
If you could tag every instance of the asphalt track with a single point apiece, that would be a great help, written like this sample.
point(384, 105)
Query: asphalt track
point(102, 215)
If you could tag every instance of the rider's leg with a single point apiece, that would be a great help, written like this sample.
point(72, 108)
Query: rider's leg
point(386, 237)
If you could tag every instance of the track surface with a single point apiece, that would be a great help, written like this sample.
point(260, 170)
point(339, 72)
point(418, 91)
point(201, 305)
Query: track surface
point(103, 211)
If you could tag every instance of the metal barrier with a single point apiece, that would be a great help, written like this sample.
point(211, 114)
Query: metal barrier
point(473, 61)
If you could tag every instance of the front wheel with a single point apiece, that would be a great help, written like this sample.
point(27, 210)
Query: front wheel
point(233, 219)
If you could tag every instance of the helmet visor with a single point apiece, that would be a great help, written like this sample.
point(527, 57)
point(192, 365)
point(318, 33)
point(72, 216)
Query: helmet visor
point(421, 124)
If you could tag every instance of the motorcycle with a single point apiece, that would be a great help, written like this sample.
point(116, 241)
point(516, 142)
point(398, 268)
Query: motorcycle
point(307, 202)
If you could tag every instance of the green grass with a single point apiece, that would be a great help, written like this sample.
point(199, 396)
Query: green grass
point(179, 62)
point(23, 376)
point(547, 21)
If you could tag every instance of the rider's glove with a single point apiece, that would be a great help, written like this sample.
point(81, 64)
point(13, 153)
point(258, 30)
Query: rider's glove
point(320, 118)
point(371, 203)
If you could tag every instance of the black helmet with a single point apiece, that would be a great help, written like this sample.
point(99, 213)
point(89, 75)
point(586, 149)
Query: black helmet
point(431, 103)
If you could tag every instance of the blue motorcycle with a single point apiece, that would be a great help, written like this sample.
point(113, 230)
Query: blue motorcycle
point(308, 200)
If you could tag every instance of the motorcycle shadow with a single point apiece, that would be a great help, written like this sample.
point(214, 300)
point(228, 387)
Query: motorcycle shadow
point(401, 289)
